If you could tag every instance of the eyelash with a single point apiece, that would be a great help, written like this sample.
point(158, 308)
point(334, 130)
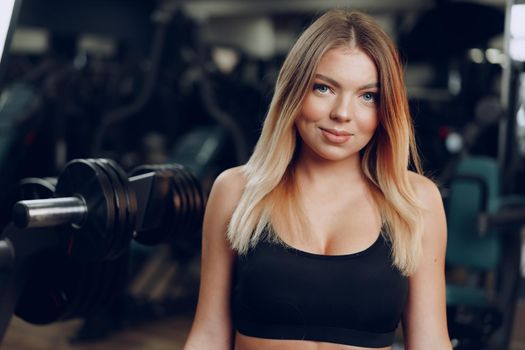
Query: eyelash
point(318, 86)
point(374, 95)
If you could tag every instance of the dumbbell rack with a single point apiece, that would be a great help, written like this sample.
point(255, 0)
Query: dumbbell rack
point(65, 257)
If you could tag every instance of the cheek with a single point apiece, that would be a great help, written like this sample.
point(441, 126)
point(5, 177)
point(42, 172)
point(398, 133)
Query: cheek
point(370, 123)
point(301, 126)
point(311, 111)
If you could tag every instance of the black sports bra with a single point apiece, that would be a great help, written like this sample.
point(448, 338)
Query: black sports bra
point(284, 293)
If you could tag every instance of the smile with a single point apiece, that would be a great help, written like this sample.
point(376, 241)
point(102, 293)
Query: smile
point(336, 136)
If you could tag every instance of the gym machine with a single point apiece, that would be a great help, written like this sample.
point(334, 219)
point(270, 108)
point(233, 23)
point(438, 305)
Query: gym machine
point(65, 253)
point(478, 320)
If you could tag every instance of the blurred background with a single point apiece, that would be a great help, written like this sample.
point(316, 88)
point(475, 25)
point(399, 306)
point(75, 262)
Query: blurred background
point(189, 82)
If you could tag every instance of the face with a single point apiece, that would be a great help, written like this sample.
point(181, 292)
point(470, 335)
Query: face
point(339, 114)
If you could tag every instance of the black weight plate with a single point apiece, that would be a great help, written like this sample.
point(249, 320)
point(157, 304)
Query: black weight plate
point(113, 283)
point(188, 185)
point(163, 189)
point(93, 281)
point(179, 203)
point(35, 188)
point(175, 207)
point(198, 212)
point(124, 235)
point(88, 289)
point(81, 279)
point(181, 193)
point(196, 199)
point(115, 232)
point(46, 296)
point(101, 274)
point(121, 238)
point(51, 180)
point(91, 240)
point(184, 188)
point(129, 199)
point(186, 239)
point(188, 190)
point(110, 284)
point(201, 202)
point(110, 233)
point(95, 273)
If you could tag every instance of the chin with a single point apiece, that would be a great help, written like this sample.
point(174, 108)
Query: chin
point(336, 156)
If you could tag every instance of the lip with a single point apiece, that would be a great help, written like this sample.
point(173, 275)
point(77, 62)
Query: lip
point(337, 132)
point(336, 136)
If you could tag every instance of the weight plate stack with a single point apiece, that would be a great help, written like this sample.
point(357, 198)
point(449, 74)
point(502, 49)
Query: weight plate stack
point(100, 283)
point(128, 198)
point(61, 286)
point(183, 207)
point(188, 239)
point(123, 230)
point(113, 284)
point(92, 239)
point(49, 291)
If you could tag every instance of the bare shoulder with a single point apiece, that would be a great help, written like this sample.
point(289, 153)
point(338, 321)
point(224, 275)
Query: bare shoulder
point(427, 191)
point(227, 189)
point(231, 181)
point(435, 226)
point(232, 178)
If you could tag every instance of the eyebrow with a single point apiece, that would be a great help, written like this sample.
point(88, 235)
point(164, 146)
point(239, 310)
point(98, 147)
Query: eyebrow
point(337, 85)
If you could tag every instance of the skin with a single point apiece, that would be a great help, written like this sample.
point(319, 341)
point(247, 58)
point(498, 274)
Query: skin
point(337, 119)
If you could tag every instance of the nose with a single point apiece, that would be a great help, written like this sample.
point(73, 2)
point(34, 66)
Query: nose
point(341, 111)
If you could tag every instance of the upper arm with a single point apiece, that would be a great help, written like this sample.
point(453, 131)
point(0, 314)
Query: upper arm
point(212, 326)
point(424, 319)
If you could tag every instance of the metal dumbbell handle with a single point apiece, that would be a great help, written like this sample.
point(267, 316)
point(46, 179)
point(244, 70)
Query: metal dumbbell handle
point(49, 212)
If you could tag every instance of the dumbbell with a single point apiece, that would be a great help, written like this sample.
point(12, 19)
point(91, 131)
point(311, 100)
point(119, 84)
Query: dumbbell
point(42, 284)
point(92, 210)
point(58, 284)
point(96, 209)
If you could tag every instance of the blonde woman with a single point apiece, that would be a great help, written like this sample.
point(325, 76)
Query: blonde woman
point(324, 239)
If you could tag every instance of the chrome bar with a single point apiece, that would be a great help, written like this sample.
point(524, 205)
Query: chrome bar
point(49, 212)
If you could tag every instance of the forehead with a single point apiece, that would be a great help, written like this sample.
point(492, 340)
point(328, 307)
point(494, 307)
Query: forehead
point(347, 64)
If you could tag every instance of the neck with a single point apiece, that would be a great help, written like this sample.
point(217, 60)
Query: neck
point(312, 171)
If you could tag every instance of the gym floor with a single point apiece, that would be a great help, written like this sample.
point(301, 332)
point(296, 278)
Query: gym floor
point(168, 334)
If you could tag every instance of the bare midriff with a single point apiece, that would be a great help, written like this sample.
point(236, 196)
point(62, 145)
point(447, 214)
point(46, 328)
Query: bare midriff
point(243, 342)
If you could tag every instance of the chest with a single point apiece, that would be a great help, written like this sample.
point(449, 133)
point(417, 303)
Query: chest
point(354, 291)
point(332, 227)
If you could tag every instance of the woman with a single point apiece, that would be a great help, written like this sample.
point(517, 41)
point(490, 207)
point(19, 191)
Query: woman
point(324, 239)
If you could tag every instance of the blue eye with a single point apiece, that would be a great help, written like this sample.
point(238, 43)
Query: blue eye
point(321, 88)
point(370, 97)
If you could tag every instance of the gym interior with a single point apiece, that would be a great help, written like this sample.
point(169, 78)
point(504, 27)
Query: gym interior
point(116, 116)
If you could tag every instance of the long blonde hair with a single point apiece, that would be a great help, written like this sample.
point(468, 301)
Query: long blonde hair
point(385, 160)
